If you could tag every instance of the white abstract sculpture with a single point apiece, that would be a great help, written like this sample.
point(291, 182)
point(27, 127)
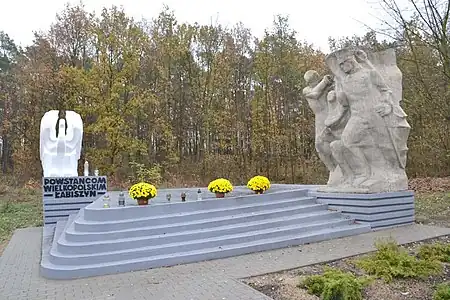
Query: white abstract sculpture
point(60, 145)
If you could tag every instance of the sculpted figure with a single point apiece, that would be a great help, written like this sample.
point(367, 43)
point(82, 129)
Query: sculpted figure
point(316, 94)
point(338, 116)
point(395, 151)
point(60, 143)
point(371, 151)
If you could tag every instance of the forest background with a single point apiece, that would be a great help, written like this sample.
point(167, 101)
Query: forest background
point(181, 104)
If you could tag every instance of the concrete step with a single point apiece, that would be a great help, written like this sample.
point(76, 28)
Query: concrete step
point(74, 236)
point(383, 224)
point(292, 206)
point(381, 216)
point(96, 212)
point(157, 211)
point(59, 229)
point(149, 250)
point(50, 236)
point(65, 271)
point(160, 236)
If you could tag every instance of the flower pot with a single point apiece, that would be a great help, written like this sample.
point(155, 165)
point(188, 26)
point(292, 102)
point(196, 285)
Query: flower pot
point(142, 201)
point(259, 192)
point(220, 195)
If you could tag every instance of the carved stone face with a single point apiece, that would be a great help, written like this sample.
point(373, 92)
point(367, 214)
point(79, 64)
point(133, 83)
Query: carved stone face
point(348, 65)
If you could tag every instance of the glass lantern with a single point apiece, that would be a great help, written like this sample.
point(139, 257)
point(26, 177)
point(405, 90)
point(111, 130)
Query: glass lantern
point(106, 201)
point(121, 201)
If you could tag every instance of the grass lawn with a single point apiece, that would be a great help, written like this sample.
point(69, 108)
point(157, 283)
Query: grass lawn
point(433, 208)
point(21, 208)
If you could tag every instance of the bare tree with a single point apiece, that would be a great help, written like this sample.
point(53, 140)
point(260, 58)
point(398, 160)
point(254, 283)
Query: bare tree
point(422, 23)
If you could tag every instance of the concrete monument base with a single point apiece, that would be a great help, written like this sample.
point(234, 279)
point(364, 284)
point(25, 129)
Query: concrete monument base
point(380, 210)
point(64, 196)
point(99, 241)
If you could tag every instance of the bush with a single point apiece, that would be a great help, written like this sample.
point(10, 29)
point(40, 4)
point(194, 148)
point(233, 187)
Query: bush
point(438, 251)
point(391, 261)
point(335, 284)
point(442, 292)
point(143, 173)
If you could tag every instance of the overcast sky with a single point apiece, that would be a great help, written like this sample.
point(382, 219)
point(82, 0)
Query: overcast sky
point(314, 20)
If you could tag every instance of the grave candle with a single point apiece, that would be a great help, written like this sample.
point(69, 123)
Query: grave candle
point(121, 199)
point(86, 168)
point(106, 201)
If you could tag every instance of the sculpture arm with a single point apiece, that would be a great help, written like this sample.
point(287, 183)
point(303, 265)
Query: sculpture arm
point(47, 143)
point(313, 95)
point(323, 85)
point(75, 133)
point(383, 88)
point(376, 77)
point(362, 58)
point(318, 90)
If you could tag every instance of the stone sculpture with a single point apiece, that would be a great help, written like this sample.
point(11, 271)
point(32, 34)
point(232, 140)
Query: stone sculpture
point(316, 95)
point(365, 128)
point(60, 143)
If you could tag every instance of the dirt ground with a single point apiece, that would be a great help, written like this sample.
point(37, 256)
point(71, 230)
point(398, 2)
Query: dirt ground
point(283, 285)
point(432, 208)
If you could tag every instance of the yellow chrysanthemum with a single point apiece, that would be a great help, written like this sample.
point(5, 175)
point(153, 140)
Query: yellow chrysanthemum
point(259, 183)
point(220, 185)
point(142, 190)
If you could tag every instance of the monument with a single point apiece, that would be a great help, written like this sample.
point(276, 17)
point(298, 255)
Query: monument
point(64, 193)
point(60, 143)
point(361, 132)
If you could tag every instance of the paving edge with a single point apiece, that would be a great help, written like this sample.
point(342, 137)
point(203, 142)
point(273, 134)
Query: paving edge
point(342, 257)
point(247, 287)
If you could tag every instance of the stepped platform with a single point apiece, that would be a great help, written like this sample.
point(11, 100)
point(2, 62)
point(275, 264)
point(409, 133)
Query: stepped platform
point(380, 210)
point(99, 241)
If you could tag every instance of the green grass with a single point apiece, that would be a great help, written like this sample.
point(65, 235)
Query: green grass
point(433, 208)
point(19, 208)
